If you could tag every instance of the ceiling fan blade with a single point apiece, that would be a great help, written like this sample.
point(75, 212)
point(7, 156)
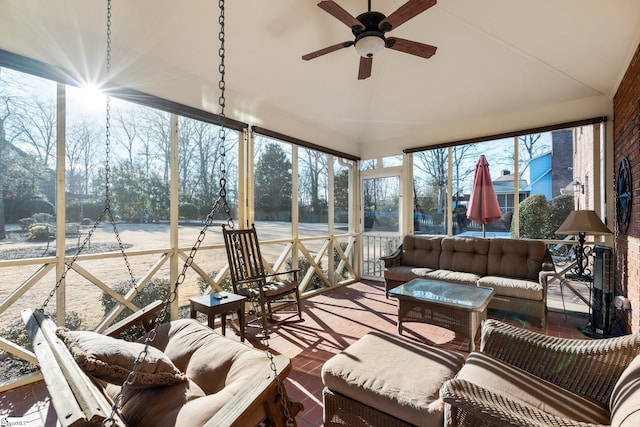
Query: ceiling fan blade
point(326, 50)
point(339, 13)
point(408, 46)
point(404, 13)
point(364, 71)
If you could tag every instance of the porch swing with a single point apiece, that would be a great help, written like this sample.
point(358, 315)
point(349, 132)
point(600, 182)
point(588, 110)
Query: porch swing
point(181, 372)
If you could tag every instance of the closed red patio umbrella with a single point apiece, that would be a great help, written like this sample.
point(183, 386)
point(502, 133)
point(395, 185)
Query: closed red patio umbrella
point(483, 202)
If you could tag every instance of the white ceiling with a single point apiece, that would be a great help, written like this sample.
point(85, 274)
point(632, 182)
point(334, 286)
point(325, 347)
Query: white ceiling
point(501, 65)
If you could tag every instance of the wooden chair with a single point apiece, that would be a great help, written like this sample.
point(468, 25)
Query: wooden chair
point(249, 278)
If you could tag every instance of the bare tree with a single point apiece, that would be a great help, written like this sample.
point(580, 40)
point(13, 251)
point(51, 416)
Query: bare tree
point(127, 121)
point(36, 123)
point(532, 148)
point(433, 164)
point(188, 133)
point(157, 130)
point(7, 101)
point(461, 155)
point(313, 179)
point(80, 150)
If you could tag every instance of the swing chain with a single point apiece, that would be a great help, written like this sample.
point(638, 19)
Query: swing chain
point(264, 340)
point(221, 202)
point(107, 204)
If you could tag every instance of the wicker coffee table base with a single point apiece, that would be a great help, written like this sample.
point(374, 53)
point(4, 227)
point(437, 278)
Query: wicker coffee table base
point(463, 322)
point(340, 410)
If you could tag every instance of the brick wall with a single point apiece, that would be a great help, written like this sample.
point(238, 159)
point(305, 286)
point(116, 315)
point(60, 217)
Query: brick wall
point(626, 139)
point(561, 160)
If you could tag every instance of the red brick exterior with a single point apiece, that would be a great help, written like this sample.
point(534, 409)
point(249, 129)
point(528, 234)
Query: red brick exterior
point(626, 138)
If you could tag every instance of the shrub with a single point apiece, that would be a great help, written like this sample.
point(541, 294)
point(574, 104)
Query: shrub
point(559, 209)
point(534, 217)
point(86, 221)
point(336, 256)
point(156, 289)
point(43, 217)
point(77, 211)
point(188, 211)
point(337, 259)
point(225, 284)
point(39, 232)
point(17, 208)
point(437, 218)
point(25, 223)
point(304, 265)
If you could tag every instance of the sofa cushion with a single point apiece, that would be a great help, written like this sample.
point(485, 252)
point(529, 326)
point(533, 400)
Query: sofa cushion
point(421, 251)
point(459, 277)
point(521, 259)
point(404, 273)
point(394, 375)
point(217, 367)
point(112, 360)
point(625, 398)
point(507, 380)
point(518, 288)
point(465, 254)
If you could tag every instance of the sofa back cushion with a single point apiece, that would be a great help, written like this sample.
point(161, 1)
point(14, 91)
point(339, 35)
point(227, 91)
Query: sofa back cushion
point(520, 259)
point(466, 254)
point(422, 251)
point(625, 398)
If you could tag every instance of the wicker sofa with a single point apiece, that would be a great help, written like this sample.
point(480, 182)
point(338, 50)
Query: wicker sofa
point(517, 269)
point(523, 378)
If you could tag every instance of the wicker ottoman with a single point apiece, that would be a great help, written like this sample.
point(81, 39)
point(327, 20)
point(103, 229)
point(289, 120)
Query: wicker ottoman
point(387, 380)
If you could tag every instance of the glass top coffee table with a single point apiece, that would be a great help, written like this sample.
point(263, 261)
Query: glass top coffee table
point(460, 308)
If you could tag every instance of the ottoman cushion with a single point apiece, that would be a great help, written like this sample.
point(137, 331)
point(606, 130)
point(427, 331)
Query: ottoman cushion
point(394, 375)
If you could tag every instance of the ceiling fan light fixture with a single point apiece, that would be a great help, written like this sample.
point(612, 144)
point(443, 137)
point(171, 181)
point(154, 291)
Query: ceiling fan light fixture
point(369, 43)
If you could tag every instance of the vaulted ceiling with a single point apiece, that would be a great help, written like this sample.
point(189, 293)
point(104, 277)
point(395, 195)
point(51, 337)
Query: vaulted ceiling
point(501, 65)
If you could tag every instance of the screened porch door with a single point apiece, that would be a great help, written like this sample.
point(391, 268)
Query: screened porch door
point(380, 221)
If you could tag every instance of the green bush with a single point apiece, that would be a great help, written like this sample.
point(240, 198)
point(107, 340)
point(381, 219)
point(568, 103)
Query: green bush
point(304, 265)
point(336, 256)
point(39, 232)
point(89, 210)
point(534, 217)
point(25, 223)
point(87, 221)
point(16, 208)
point(188, 211)
point(156, 289)
point(559, 209)
point(44, 217)
point(437, 218)
point(225, 284)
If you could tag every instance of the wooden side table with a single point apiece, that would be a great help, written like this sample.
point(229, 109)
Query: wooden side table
point(220, 303)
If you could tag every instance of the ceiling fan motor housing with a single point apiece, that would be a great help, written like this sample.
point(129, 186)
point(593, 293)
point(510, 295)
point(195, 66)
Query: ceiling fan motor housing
point(371, 37)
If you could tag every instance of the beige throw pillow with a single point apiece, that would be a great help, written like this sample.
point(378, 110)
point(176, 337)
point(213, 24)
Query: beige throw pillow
point(110, 359)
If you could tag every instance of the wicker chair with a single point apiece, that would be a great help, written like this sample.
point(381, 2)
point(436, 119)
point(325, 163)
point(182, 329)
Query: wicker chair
point(598, 381)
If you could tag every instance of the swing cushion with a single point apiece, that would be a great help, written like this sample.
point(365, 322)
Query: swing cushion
point(111, 360)
point(217, 367)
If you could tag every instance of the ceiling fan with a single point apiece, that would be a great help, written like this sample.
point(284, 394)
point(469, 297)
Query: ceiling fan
point(369, 29)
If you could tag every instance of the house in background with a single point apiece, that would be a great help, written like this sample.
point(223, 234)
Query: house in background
point(552, 172)
point(540, 172)
point(504, 186)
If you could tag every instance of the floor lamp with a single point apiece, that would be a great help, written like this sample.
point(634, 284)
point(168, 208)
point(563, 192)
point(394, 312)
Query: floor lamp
point(582, 223)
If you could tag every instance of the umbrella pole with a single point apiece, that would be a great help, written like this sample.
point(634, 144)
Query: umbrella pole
point(484, 232)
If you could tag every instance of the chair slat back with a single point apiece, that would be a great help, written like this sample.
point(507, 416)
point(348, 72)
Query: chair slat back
point(243, 254)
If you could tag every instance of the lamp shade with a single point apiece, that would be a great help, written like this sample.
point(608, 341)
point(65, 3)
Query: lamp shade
point(587, 222)
point(369, 43)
